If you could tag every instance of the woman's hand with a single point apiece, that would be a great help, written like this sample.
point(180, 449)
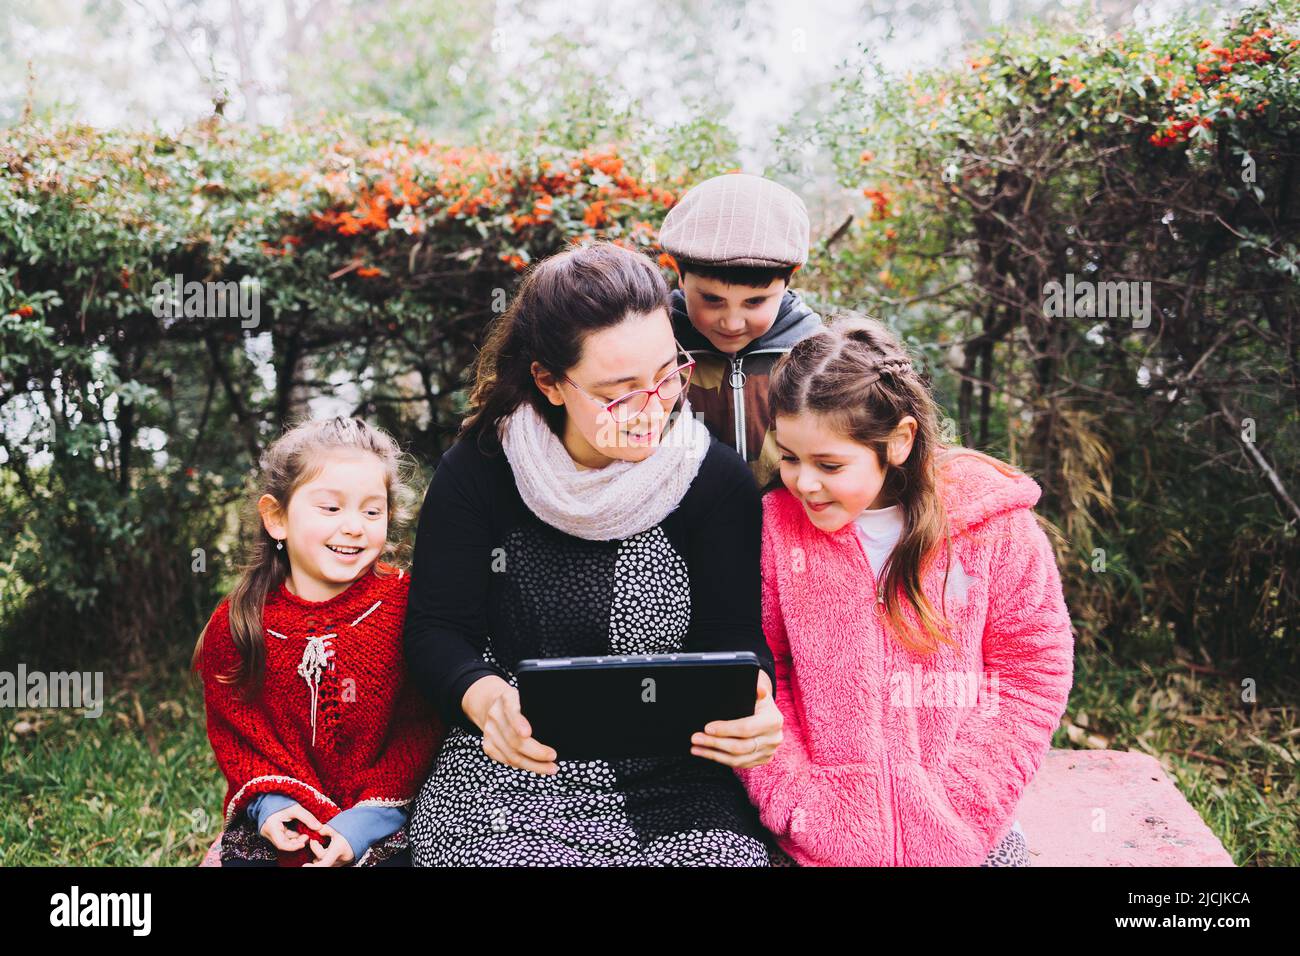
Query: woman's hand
point(276, 829)
point(338, 853)
point(748, 741)
point(493, 705)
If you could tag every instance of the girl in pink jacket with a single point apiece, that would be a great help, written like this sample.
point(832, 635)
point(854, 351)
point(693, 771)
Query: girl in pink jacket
point(912, 602)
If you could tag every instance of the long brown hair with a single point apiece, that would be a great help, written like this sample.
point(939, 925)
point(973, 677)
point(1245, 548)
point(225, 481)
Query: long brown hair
point(293, 459)
point(859, 375)
point(561, 300)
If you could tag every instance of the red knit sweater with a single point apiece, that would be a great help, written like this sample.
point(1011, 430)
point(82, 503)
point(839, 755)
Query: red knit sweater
point(375, 736)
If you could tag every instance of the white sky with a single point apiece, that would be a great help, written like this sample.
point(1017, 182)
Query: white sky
point(801, 45)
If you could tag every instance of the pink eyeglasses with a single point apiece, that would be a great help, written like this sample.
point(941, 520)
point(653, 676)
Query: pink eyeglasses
point(629, 406)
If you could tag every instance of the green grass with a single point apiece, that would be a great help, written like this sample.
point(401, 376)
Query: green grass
point(139, 786)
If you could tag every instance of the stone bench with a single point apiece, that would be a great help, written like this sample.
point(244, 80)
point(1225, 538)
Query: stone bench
point(1095, 808)
point(1112, 808)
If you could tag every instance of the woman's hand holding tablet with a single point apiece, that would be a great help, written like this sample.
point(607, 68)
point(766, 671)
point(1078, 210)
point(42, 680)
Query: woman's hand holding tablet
point(507, 737)
point(715, 705)
point(494, 706)
point(748, 741)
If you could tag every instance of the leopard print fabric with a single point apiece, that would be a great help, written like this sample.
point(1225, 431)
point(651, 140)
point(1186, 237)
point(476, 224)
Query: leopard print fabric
point(1012, 850)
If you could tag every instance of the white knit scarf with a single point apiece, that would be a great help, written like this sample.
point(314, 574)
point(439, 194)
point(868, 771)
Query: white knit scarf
point(601, 504)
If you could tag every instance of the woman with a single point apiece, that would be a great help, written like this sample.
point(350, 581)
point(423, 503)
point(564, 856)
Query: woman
point(584, 511)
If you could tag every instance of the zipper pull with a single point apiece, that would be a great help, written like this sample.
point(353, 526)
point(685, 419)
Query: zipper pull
point(737, 381)
point(737, 375)
point(880, 593)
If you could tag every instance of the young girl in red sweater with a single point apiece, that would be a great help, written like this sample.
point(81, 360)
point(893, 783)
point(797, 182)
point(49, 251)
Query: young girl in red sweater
point(322, 739)
point(913, 606)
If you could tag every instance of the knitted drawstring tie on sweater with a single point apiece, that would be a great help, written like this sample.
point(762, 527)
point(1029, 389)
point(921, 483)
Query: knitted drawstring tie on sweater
point(315, 658)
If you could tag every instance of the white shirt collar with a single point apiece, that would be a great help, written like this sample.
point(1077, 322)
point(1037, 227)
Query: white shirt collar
point(881, 523)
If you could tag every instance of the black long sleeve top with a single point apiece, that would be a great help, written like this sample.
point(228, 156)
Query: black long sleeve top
point(492, 584)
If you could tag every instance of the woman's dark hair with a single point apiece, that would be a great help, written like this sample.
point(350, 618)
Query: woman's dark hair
point(561, 300)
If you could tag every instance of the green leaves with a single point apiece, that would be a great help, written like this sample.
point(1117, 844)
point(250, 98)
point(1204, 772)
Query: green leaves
point(129, 429)
point(1041, 155)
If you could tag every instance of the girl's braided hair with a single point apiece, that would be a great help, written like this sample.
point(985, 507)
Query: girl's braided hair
point(861, 379)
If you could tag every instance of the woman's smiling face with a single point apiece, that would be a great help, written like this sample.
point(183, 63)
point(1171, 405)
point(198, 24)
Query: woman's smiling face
point(834, 477)
point(637, 353)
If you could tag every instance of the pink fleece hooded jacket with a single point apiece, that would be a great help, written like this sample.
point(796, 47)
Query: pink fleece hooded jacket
point(890, 757)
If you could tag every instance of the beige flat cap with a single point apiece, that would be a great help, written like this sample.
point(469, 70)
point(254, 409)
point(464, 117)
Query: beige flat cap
point(738, 220)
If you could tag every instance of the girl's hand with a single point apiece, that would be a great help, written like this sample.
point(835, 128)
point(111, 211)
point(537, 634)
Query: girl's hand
point(747, 741)
point(338, 853)
point(277, 830)
point(507, 737)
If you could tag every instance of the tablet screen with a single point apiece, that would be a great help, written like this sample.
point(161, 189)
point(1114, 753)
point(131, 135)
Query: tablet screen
point(633, 706)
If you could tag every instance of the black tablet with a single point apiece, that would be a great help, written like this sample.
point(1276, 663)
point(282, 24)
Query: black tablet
point(646, 705)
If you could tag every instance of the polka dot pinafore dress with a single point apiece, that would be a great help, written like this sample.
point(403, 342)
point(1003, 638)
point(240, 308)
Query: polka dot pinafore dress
point(550, 594)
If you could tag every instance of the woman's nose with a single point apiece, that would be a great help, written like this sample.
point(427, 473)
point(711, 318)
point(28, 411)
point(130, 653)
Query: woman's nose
point(651, 416)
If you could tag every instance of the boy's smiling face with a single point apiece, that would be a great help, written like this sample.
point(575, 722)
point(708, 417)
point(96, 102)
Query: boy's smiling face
point(731, 316)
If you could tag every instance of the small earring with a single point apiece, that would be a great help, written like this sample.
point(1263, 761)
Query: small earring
point(279, 545)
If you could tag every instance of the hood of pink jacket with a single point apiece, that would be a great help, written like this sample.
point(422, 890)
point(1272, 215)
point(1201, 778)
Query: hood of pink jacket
point(892, 756)
point(974, 490)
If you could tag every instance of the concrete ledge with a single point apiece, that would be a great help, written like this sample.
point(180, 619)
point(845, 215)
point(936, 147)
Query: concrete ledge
point(1094, 808)
point(1112, 808)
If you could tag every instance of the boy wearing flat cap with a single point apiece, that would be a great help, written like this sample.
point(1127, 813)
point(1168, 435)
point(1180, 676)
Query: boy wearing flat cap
point(736, 240)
